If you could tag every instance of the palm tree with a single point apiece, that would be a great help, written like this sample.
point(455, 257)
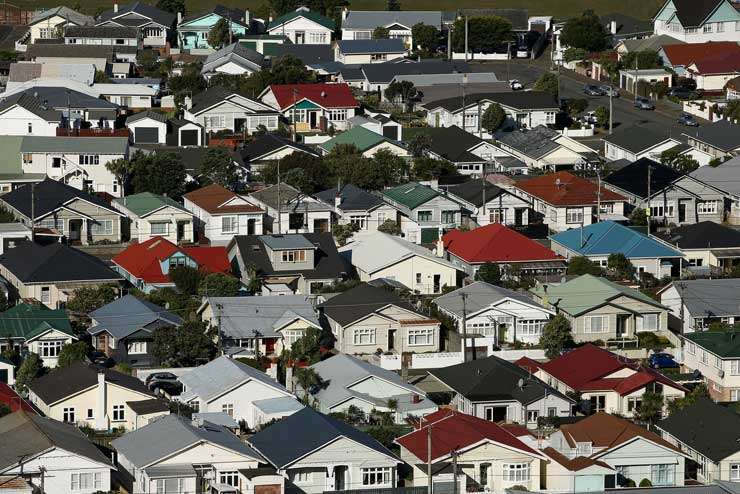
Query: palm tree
point(121, 168)
point(306, 378)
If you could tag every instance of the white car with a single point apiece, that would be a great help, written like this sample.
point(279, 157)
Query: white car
point(515, 85)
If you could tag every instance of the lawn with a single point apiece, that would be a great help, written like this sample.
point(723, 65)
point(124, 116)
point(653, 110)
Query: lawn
point(558, 8)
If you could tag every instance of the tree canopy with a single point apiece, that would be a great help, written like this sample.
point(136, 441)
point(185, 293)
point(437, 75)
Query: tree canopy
point(493, 118)
point(219, 285)
point(172, 6)
point(185, 346)
point(71, 353)
point(548, 82)
point(31, 368)
point(162, 174)
point(381, 32)
point(218, 36)
point(682, 163)
point(488, 34)
point(556, 336)
point(585, 32)
point(490, 273)
point(618, 264)
point(583, 265)
point(425, 37)
point(87, 299)
point(218, 167)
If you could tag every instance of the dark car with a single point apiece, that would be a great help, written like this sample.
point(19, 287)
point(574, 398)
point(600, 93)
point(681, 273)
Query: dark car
point(100, 358)
point(662, 360)
point(167, 388)
point(593, 90)
point(688, 120)
point(682, 93)
point(158, 379)
point(644, 104)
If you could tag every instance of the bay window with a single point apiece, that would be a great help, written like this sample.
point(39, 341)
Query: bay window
point(516, 472)
point(530, 327)
point(291, 336)
point(421, 336)
point(293, 256)
point(377, 476)
point(363, 336)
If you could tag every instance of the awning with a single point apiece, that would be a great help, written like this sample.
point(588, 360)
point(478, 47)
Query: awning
point(170, 471)
point(726, 254)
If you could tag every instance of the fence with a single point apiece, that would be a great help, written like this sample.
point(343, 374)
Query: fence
point(419, 360)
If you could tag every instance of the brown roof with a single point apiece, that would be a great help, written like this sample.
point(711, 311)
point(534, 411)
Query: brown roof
point(13, 482)
point(213, 198)
point(566, 189)
point(578, 463)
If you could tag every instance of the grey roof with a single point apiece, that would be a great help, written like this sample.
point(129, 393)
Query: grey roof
point(63, 50)
point(701, 300)
point(217, 94)
point(308, 54)
point(279, 405)
point(535, 143)
point(352, 198)
point(244, 317)
point(383, 73)
point(65, 12)
point(36, 106)
point(60, 98)
point(286, 242)
point(363, 252)
point(218, 418)
point(450, 143)
point(703, 235)
point(172, 433)
point(235, 52)
point(100, 145)
point(101, 32)
point(356, 303)
point(148, 407)
point(519, 18)
point(290, 198)
point(722, 134)
point(128, 314)
point(162, 17)
point(627, 25)
point(725, 177)
point(519, 100)
point(154, 115)
point(472, 191)
point(633, 178)
point(424, 80)
point(267, 144)
point(370, 19)
point(479, 295)
point(654, 43)
point(23, 433)
point(308, 431)
point(637, 139)
point(366, 46)
point(220, 375)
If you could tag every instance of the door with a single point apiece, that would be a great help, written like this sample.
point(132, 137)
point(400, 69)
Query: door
point(189, 138)
point(269, 345)
point(519, 217)
point(312, 116)
point(340, 478)
point(75, 229)
point(146, 135)
point(622, 321)
point(240, 124)
point(391, 339)
point(437, 280)
point(681, 212)
point(495, 414)
point(180, 231)
point(4, 376)
point(251, 226)
point(300, 37)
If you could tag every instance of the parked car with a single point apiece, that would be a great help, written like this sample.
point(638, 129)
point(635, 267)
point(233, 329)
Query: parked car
point(100, 358)
point(682, 93)
point(158, 379)
point(593, 90)
point(610, 91)
point(688, 120)
point(168, 389)
point(644, 104)
point(661, 360)
point(590, 117)
point(515, 85)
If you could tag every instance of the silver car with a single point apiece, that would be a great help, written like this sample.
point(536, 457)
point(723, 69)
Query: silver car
point(610, 91)
point(644, 104)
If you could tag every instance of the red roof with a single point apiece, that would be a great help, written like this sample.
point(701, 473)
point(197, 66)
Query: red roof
point(217, 199)
point(603, 430)
point(9, 397)
point(454, 430)
point(324, 95)
point(143, 260)
point(566, 189)
point(711, 57)
point(718, 63)
point(496, 243)
point(528, 364)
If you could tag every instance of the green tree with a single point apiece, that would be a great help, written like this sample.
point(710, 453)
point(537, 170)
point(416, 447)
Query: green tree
point(602, 116)
point(218, 36)
point(493, 118)
point(576, 106)
point(651, 407)
point(343, 232)
point(732, 110)
point(556, 336)
point(189, 82)
point(646, 59)
point(385, 168)
point(87, 299)
point(486, 34)
point(638, 217)
point(306, 378)
point(646, 483)
point(401, 91)
point(699, 392)
point(583, 265)
point(101, 77)
point(393, 5)
point(289, 70)
point(381, 32)
point(682, 163)
point(490, 273)
point(618, 264)
point(30, 369)
point(391, 228)
point(218, 167)
point(6, 216)
point(315, 176)
point(71, 353)
point(585, 32)
point(121, 168)
point(548, 83)
point(187, 279)
point(172, 6)
point(420, 144)
point(162, 174)
point(185, 346)
point(430, 168)
point(4, 410)
point(425, 37)
point(574, 54)
point(307, 347)
point(219, 285)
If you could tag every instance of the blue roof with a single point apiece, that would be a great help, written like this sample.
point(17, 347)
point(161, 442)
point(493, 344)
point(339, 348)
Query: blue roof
point(609, 237)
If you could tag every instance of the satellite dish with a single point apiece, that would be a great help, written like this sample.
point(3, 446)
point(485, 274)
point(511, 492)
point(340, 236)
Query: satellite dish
point(520, 383)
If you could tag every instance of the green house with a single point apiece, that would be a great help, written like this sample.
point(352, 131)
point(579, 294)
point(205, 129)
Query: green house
point(366, 141)
point(37, 329)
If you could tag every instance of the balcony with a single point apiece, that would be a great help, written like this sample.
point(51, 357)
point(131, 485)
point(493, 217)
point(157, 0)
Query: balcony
point(65, 132)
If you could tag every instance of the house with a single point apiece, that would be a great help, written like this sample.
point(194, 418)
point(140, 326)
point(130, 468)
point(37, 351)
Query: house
point(607, 382)
point(360, 24)
point(723, 179)
point(151, 215)
point(217, 109)
point(707, 247)
point(710, 64)
point(404, 262)
point(146, 265)
point(22, 114)
point(568, 201)
point(379, 122)
point(702, 431)
point(366, 141)
point(718, 139)
point(716, 354)
point(234, 59)
point(487, 203)
point(184, 133)
point(515, 254)
point(732, 88)
point(599, 309)
point(291, 211)
point(154, 25)
point(634, 452)
point(312, 107)
point(490, 457)
point(148, 127)
point(37, 329)
point(24, 74)
point(544, 148)
point(652, 43)
point(598, 241)
point(622, 26)
point(494, 314)
point(11, 234)
point(50, 23)
point(227, 385)
point(50, 274)
point(101, 35)
point(325, 454)
point(267, 149)
point(33, 445)
point(631, 181)
point(287, 264)
point(697, 22)
point(303, 27)
point(360, 51)
point(424, 211)
point(636, 142)
point(524, 109)
point(251, 326)
point(99, 56)
point(102, 399)
point(220, 214)
point(366, 318)
point(696, 302)
point(175, 455)
point(356, 206)
point(377, 77)
point(349, 381)
point(490, 389)
point(192, 32)
point(124, 329)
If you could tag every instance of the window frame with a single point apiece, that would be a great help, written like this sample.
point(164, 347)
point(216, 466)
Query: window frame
point(588, 324)
point(516, 472)
point(418, 334)
point(578, 213)
point(359, 333)
point(377, 476)
point(118, 413)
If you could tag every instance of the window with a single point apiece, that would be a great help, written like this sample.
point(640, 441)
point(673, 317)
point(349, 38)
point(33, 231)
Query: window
point(293, 255)
point(89, 159)
point(137, 347)
point(661, 209)
point(574, 215)
point(516, 472)
point(633, 404)
point(195, 404)
point(338, 115)
point(216, 121)
point(418, 278)
point(596, 324)
point(718, 362)
point(497, 216)
point(376, 476)
point(363, 336)
point(178, 261)
point(45, 295)
point(552, 412)
point(707, 28)
point(584, 449)
point(302, 476)
point(359, 221)
point(229, 224)
point(706, 207)
point(228, 408)
point(27, 158)
point(118, 413)
point(50, 348)
point(296, 221)
point(369, 34)
point(696, 262)
point(169, 486)
point(229, 478)
point(735, 395)
point(598, 403)
point(734, 367)
point(160, 228)
point(704, 357)
point(648, 322)
point(52, 224)
point(532, 415)
point(483, 470)
point(691, 348)
point(448, 216)
point(421, 336)
point(734, 472)
point(102, 227)
point(424, 216)
point(30, 128)
point(662, 475)
point(378, 56)
point(290, 336)
point(68, 415)
point(530, 327)
point(90, 414)
point(46, 33)
point(87, 481)
point(720, 27)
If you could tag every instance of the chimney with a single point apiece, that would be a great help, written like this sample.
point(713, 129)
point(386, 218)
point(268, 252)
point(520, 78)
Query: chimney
point(179, 18)
point(247, 17)
point(289, 385)
point(115, 7)
point(337, 200)
point(613, 27)
point(440, 250)
point(269, 19)
point(345, 13)
point(101, 420)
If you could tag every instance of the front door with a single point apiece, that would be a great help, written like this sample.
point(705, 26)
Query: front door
point(300, 37)
point(312, 119)
point(437, 280)
point(681, 212)
point(391, 339)
point(519, 217)
point(75, 229)
point(4, 376)
point(622, 321)
point(180, 231)
point(340, 478)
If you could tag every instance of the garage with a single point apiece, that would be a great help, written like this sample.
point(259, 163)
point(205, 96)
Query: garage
point(146, 135)
point(189, 137)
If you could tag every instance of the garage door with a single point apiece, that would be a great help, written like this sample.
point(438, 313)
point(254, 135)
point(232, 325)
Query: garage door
point(589, 483)
point(144, 135)
point(189, 138)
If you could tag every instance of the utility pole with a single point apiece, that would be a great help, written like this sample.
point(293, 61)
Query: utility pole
point(449, 43)
point(647, 208)
point(454, 471)
point(279, 208)
point(480, 128)
point(598, 195)
point(466, 38)
point(464, 80)
point(611, 113)
point(220, 308)
point(430, 487)
point(634, 83)
point(33, 211)
point(464, 297)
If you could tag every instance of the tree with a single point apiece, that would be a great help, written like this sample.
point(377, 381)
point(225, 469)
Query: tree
point(425, 37)
point(87, 299)
point(618, 264)
point(556, 336)
point(430, 168)
point(490, 273)
point(574, 54)
point(548, 83)
point(682, 163)
point(732, 110)
point(186, 279)
point(493, 118)
point(218, 167)
point(646, 59)
point(218, 36)
point(4, 410)
point(121, 169)
point(185, 346)
point(420, 144)
point(307, 347)
point(699, 392)
point(162, 174)
point(651, 407)
point(29, 370)
point(71, 353)
point(487, 34)
point(315, 173)
point(390, 227)
point(344, 232)
point(585, 32)
point(580, 265)
point(219, 285)
point(385, 168)
point(576, 106)
point(602, 116)
point(189, 82)
point(101, 77)
point(393, 5)
point(172, 6)
point(6, 216)
point(306, 378)
point(403, 91)
point(381, 32)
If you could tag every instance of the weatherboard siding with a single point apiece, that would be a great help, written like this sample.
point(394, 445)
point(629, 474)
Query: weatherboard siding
point(53, 335)
point(405, 272)
point(579, 323)
point(312, 31)
point(20, 122)
point(242, 399)
point(60, 465)
point(382, 327)
point(640, 455)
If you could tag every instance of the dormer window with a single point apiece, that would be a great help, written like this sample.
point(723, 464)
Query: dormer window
point(293, 255)
point(584, 449)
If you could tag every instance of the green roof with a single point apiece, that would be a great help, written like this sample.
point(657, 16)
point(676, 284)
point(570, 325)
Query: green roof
point(411, 195)
point(10, 148)
point(27, 321)
point(361, 137)
point(145, 202)
point(588, 292)
point(725, 344)
point(317, 18)
point(99, 145)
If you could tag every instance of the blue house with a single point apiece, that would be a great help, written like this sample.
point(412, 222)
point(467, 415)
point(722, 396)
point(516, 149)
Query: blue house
point(598, 240)
point(192, 33)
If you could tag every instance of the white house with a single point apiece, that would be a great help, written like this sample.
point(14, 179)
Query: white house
point(425, 211)
point(637, 142)
point(369, 50)
point(302, 26)
point(708, 20)
point(148, 127)
point(234, 59)
point(50, 24)
point(220, 213)
point(154, 25)
point(356, 206)
point(291, 211)
point(218, 109)
point(22, 115)
point(360, 24)
point(152, 215)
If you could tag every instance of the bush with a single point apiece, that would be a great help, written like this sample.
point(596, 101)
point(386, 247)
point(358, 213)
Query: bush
point(645, 483)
